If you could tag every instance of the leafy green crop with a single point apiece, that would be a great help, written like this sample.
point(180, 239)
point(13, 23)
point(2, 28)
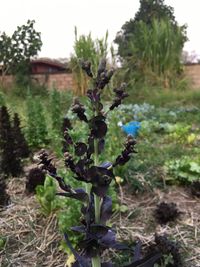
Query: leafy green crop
point(182, 171)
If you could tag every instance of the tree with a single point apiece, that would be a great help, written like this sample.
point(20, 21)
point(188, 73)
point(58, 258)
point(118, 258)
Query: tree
point(149, 10)
point(16, 51)
point(150, 45)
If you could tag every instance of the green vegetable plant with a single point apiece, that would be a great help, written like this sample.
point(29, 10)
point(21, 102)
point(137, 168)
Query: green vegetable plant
point(36, 127)
point(182, 171)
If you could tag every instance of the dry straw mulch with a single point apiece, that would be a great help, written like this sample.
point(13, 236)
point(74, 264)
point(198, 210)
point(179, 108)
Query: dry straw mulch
point(139, 222)
point(33, 240)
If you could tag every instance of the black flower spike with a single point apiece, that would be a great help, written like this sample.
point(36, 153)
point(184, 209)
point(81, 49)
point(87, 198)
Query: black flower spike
point(120, 94)
point(101, 67)
point(69, 161)
point(80, 149)
point(98, 127)
point(129, 149)
point(46, 163)
point(86, 66)
point(100, 178)
point(103, 75)
point(104, 79)
point(93, 95)
point(66, 125)
point(79, 109)
point(67, 141)
point(67, 138)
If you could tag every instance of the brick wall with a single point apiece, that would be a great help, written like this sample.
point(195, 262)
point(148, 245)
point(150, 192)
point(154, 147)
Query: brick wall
point(64, 81)
point(61, 81)
point(192, 73)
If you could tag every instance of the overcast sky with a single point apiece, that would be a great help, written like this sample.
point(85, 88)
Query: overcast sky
point(56, 19)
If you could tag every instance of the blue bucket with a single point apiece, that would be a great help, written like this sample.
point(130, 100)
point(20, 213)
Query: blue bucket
point(131, 128)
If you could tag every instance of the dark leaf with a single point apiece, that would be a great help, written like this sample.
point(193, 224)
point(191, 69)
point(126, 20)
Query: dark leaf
point(101, 67)
point(106, 165)
point(101, 145)
point(108, 239)
point(107, 264)
point(80, 260)
point(106, 209)
point(78, 194)
point(148, 261)
point(94, 95)
point(137, 251)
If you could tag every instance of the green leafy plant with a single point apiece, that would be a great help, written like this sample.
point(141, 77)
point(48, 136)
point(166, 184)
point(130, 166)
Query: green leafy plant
point(55, 111)
point(36, 128)
point(182, 171)
point(46, 196)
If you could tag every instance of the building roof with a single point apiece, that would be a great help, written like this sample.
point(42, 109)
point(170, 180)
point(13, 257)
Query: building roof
point(50, 62)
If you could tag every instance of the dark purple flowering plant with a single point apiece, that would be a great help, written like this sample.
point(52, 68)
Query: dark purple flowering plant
point(86, 167)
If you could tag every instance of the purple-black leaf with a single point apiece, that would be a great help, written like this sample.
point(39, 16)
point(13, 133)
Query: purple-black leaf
point(78, 194)
point(106, 209)
point(137, 251)
point(80, 260)
point(106, 264)
point(101, 145)
point(148, 261)
point(94, 95)
point(106, 165)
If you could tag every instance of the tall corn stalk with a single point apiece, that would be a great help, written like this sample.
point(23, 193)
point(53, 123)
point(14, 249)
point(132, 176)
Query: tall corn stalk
point(156, 52)
point(85, 48)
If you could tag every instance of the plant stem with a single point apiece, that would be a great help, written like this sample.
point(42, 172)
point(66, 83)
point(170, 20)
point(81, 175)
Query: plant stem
point(96, 262)
point(96, 198)
point(88, 189)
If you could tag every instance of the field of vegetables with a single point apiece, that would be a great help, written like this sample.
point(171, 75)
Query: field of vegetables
point(156, 194)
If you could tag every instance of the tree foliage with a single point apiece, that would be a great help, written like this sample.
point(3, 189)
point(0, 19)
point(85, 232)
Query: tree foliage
point(17, 50)
point(150, 45)
point(155, 53)
point(149, 11)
